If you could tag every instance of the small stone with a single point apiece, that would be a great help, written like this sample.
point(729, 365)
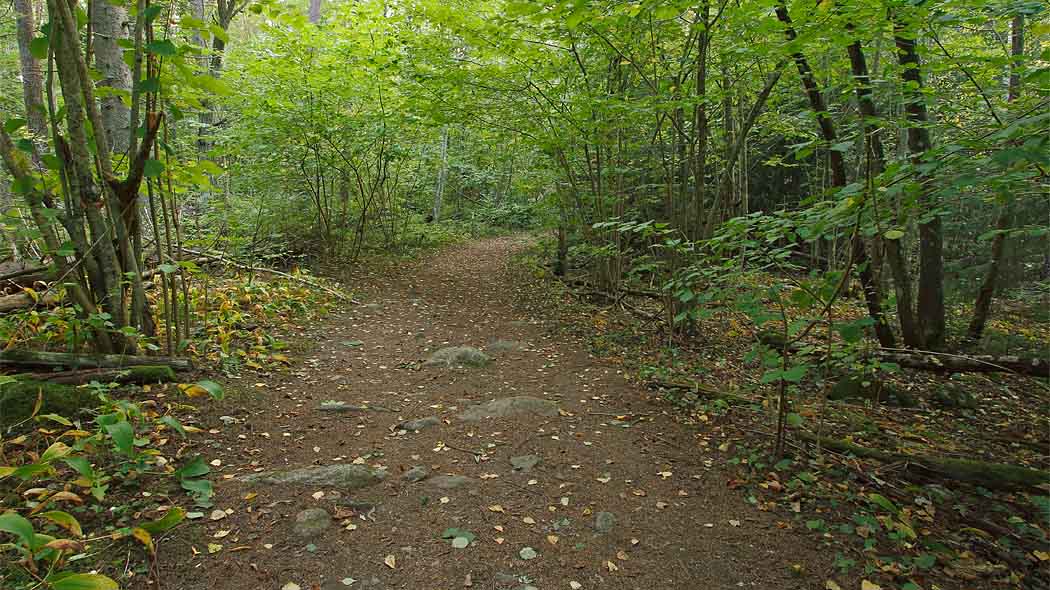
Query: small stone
point(604, 522)
point(525, 462)
point(417, 473)
point(453, 356)
point(510, 406)
point(420, 424)
point(228, 420)
point(449, 482)
point(345, 477)
point(311, 522)
point(528, 553)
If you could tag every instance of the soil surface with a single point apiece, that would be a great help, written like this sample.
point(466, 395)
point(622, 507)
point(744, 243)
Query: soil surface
point(622, 496)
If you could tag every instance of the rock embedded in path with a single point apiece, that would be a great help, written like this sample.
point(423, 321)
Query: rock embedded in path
point(503, 346)
point(345, 477)
point(453, 356)
point(339, 407)
point(449, 482)
point(311, 522)
point(420, 424)
point(416, 473)
point(525, 463)
point(510, 406)
point(604, 522)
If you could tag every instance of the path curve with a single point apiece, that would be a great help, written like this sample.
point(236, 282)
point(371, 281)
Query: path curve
point(674, 523)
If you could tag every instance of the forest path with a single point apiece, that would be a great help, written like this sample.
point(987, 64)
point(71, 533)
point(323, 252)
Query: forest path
point(640, 503)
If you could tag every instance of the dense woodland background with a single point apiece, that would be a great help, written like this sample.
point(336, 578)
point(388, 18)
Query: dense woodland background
point(863, 184)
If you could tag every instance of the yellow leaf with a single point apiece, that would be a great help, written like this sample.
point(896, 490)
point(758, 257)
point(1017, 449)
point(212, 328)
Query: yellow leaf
point(143, 536)
point(866, 585)
point(495, 508)
point(831, 585)
point(390, 561)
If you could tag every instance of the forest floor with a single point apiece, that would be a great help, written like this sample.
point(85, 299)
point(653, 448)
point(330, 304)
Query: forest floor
point(612, 492)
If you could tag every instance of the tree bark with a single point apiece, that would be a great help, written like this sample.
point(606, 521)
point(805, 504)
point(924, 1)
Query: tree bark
point(25, 358)
point(315, 11)
point(872, 292)
point(894, 255)
point(931, 315)
point(439, 189)
point(32, 77)
point(110, 25)
point(983, 304)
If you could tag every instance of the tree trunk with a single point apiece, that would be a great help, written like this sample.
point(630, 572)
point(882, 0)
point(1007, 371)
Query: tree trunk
point(315, 11)
point(931, 315)
point(110, 25)
point(894, 255)
point(982, 306)
point(32, 78)
point(872, 292)
point(25, 358)
point(439, 189)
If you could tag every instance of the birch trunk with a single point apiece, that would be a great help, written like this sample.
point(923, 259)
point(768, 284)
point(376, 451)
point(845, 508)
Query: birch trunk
point(110, 26)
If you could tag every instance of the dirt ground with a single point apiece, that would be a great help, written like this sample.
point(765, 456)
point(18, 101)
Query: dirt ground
point(610, 448)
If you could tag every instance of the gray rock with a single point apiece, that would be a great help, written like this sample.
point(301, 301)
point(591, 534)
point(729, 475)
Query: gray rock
point(449, 482)
point(417, 473)
point(311, 522)
point(510, 406)
point(604, 522)
point(420, 424)
point(525, 462)
point(338, 407)
point(504, 346)
point(351, 477)
point(453, 356)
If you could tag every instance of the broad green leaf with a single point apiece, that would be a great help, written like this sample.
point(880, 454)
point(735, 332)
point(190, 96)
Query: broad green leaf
point(153, 168)
point(123, 436)
point(171, 518)
point(39, 46)
point(19, 526)
point(82, 582)
point(64, 520)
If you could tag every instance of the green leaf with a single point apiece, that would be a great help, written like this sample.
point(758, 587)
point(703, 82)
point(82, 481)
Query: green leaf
point(213, 388)
point(123, 436)
point(883, 502)
point(170, 519)
point(153, 168)
point(163, 47)
point(893, 234)
point(174, 425)
point(794, 420)
point(195, 468)
point(56, 451)
point(796, 373)
point(14, 124)
point(55, 418)
point(81, 582)
point(39, 46)
point(64, 520)
point(19, 526)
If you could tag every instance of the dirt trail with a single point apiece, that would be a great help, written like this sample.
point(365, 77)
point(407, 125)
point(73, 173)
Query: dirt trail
point(676, 525)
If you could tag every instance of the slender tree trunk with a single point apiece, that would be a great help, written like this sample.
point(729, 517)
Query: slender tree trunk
point(894, 255)
point(315, 11)
point(872, 293)
point(32, 77)
point(110, 25)
point(700, 124)
point(931, 316)
point(439, 189)
point(983, 304)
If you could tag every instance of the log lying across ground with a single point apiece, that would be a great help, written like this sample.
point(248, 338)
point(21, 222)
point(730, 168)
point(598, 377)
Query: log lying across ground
point(924, 360)
point(138, 374)
point(989, 475)
point(26, 359)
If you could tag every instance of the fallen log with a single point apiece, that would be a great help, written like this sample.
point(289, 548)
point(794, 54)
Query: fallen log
point(217, 257)
point(137, 374)
point(24, 359)
point(942, 362)
point(702, 389)
point(989, 475)
point(24, 300)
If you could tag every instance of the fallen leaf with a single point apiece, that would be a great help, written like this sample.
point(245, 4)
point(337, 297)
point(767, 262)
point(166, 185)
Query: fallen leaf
point(621, 555)
point(214, 548)
point(218, 514)
point(552, 539)
point(528, 520)
point(831, 585)
point(575, 585)
point(612, 567)
point(390, 561)
point(734, 522)
point(495, 508)
point(866, 585)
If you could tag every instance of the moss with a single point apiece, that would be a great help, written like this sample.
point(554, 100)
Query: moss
point(149, 374)
point(18, 399)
